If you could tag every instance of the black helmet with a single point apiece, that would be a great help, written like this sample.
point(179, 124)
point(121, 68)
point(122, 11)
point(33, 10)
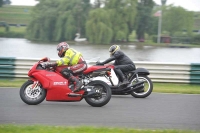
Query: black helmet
point(113, 49)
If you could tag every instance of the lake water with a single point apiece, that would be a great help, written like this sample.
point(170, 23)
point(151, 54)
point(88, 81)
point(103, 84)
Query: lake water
point(23, 48)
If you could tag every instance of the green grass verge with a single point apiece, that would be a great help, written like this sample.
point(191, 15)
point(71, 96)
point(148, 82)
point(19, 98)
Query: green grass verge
point(12, 83)
point(177, 88)
point(158, 87)
point(15, 14)
point(81, 129)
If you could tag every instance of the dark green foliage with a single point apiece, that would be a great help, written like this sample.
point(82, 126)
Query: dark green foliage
point(152, 26)
point(10, 34)
point(4, 24)
point(196, 39)
point(99, 27)
point(144, 19)
point(42, 25)
point(122, 17)
point(1, 3)
point(105, 22)
point(114, 22)
point(4, 2)
point(177, 19)
point(58, 20)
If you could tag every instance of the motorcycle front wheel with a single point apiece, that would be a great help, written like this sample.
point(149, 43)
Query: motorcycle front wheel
point(102, 95)
point(146, 89)
point(32, 96)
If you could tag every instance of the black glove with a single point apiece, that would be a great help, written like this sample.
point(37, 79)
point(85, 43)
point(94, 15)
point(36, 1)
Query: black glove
point(48, 64)
point(99, 63)
point(45, 64)
point(106, 61)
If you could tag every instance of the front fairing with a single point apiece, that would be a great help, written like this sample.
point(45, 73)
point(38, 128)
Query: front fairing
point(32, 69)
point(48, 79)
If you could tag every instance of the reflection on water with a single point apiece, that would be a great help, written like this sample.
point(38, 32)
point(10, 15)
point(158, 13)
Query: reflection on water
point(21, 48)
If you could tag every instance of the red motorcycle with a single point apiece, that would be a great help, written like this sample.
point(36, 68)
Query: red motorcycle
point(48, 83)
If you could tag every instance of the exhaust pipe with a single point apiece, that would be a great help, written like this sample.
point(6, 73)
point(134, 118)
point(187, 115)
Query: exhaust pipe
point(74, 95)
point(137, 88)
point(139, 83)
point(128, 87)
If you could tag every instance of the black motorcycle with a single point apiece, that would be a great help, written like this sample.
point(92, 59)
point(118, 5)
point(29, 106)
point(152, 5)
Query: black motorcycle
point(140, 85)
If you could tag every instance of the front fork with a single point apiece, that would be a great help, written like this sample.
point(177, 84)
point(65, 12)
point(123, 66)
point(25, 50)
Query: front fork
point(35, 84)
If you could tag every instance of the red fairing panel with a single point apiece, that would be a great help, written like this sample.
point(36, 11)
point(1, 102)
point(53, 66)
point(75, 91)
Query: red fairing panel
point(93, 68)
point(56, 85)
point(48, 79)
point(62, 95)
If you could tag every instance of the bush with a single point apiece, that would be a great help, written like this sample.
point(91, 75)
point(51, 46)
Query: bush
point(154, 38)
point(12, 34)
point(196, 39)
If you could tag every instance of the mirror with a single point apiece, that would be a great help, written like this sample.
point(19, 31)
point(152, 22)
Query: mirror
point(45, 59)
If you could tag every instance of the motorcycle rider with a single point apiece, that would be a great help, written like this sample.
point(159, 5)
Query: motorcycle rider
point(122, 63)
point(71, 62)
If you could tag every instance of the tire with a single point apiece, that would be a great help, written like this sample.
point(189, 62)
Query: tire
point(32, 96)
point(103, 97)
point(146, 90)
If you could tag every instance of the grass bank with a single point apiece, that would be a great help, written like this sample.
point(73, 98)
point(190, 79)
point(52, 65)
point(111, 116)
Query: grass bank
point(15, 14)
point(82, 129)
point(158, 87)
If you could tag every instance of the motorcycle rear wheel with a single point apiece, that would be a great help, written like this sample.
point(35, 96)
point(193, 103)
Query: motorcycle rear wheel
point(147, 87)
point(32, 96)
point(103, 96)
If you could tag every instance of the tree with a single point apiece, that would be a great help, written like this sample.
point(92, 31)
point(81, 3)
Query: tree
point(177, 19)
point(152, 26)
point(98, 27)
point(144, 18)
point(122, 17)
point(81, 11)
point(58, 20)
point(1, 3)
point(4, 2)
point(115, 19)
point(42, 25)
point(99, 3)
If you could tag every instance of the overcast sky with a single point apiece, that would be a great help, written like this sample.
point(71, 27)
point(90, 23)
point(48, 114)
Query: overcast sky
point(191, 5)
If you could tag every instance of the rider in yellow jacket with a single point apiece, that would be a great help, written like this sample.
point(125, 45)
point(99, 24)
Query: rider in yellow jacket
point(70, 58)
point(71, 62)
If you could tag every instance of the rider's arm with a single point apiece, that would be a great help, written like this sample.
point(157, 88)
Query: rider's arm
point(65, 60)
point(48, 64)
point(108, 60)
point(54, 64)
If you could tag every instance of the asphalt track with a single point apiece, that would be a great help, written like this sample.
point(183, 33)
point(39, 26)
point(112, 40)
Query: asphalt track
point(158, 111)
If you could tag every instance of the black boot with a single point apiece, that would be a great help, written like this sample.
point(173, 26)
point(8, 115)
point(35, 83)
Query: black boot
point(77, 83)
point(124, 82)
point(121, 77)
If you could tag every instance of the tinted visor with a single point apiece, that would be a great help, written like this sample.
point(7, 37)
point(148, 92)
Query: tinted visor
point(59, 48)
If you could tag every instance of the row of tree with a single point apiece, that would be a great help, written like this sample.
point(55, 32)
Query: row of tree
point(103, 21)
point(4, 2)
